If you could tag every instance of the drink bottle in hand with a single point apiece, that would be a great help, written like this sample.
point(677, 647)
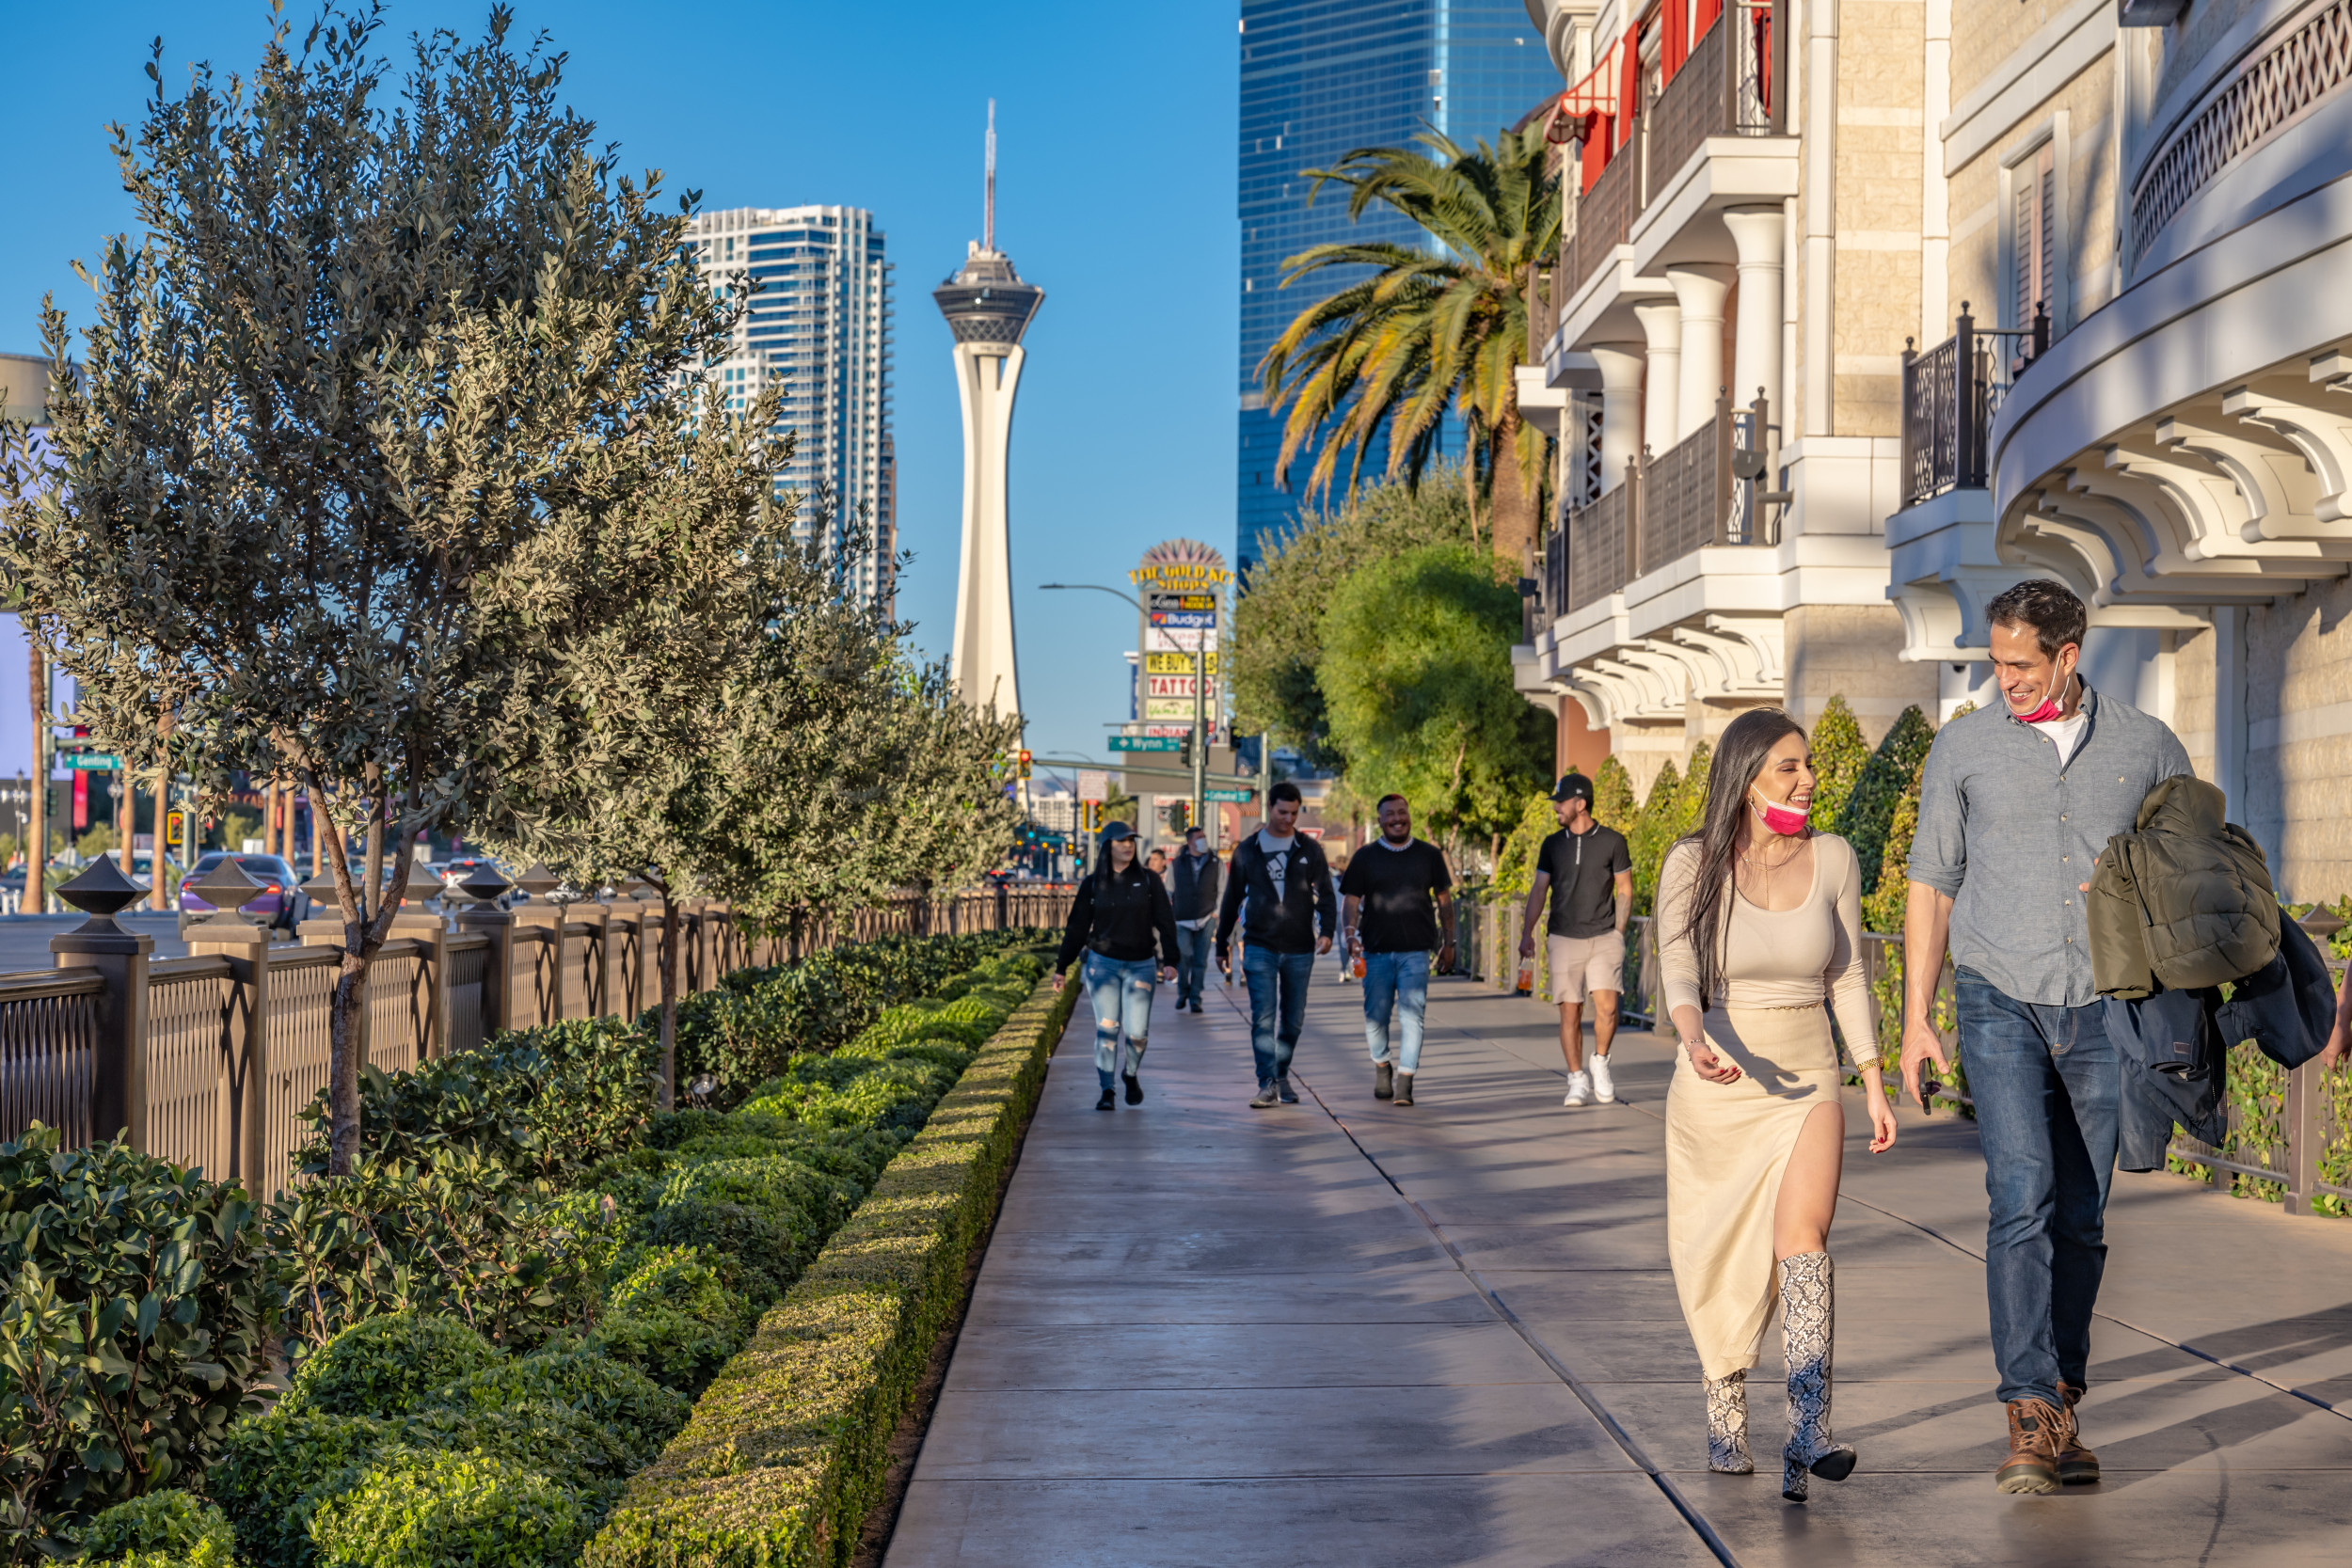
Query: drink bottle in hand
point(1527, 977)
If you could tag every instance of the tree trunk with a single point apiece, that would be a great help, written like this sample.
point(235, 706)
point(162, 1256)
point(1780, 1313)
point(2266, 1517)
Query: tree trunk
point(1513, 509)
point(346, 1017)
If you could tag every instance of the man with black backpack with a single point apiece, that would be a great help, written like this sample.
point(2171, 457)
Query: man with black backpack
point(1279, 890)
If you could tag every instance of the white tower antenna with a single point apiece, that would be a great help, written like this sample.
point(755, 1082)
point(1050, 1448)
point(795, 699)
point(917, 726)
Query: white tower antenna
point(988, 223)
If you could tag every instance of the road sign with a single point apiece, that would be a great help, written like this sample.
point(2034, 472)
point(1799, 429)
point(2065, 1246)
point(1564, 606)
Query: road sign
point(92, 762)
point(1094, 785)
point(1146, 743)
point(1242, 797)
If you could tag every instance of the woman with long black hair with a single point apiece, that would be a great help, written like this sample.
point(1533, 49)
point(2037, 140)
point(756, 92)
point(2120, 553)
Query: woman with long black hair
point(1760, 937)
point(1120, 912)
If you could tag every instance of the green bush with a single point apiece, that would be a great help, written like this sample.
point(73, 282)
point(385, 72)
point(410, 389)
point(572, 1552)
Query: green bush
point(278, 1468)
point(164, 1526)
point(787, 1451)
point(1652, 835)
point(134, 1331)
point(1892, 772)
point(388, 1365)
point(591, 1458)
point(1839, 753)
point(1612, 796)
point(424, 1510)
point(611, 1394)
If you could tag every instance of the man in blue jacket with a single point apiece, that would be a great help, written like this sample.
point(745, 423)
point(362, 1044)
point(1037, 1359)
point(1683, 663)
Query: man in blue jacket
point(1279, 886)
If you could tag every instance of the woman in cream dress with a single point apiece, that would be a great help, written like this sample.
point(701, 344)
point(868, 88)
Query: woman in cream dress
point(1759, 930)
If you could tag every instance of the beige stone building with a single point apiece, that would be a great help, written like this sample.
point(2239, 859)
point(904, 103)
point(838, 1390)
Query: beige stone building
point(2061, 288)
point(2164, 182)
point(1749, 251)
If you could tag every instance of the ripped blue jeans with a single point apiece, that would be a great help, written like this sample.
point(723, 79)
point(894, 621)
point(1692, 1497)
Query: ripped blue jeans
point(1121, 994)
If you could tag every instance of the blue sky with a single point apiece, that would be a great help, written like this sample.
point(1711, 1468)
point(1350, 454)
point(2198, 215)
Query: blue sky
point(1115, 194)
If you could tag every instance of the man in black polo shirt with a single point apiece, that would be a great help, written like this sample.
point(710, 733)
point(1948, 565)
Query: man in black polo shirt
point(1588, 874)
point(1396, 899)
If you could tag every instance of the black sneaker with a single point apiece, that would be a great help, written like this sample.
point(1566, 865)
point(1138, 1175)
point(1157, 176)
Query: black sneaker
point(1282, 1087)
point(1383, 1079)
point(1107, 1101)
point(1196, 1003)
point(1135, 1090)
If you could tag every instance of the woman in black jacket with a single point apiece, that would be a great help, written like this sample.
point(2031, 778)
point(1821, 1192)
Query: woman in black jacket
point(1121, 911)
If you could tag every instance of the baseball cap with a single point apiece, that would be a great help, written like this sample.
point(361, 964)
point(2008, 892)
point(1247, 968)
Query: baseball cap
point(1114, 832)
point(1573, 786)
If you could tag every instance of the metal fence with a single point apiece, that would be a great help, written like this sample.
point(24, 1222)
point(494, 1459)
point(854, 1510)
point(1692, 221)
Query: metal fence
point(1950, 394)
point(210, 1059)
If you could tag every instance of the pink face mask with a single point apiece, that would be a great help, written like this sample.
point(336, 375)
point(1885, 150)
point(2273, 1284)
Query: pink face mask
point(2049, 708)
point(1788, 821)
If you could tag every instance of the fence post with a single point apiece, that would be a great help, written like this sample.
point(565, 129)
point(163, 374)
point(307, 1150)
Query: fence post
point(1904, 487)
point(2302, 1129)
point(119, 1061)
point(246, 947)
point(1967, 462)
point(498, 965)
point(600, 980)
point(1002, 897)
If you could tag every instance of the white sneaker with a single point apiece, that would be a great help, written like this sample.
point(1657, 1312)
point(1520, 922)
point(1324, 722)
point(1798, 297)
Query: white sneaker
point(1580, 1090)
point(1604, 1086)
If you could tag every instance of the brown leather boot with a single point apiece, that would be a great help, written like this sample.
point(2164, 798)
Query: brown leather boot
point(2076, 1465)
point(2033, 1437)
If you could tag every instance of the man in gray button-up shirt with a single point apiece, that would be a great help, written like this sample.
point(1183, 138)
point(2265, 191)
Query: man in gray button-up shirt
point(2016, 805)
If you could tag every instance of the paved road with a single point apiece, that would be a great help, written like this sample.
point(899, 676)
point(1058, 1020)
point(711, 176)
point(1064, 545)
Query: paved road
point(1345, 1333)
point(24, 938)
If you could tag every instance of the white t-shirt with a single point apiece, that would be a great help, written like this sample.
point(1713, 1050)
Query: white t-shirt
point(2066, 733)
point(1278, 859)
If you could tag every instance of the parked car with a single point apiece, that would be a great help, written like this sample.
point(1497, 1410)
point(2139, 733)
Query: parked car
point(281, 887)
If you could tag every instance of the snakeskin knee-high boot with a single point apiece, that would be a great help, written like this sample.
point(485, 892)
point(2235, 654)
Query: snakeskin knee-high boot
point(1807, 1315)
point(1727, 1425)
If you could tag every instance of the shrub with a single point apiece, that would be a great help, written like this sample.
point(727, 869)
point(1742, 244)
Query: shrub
point(132, 1332)
point(642, 1412)
point(1652, 835)
point(787, 1451)
point(1613, 804)
point(425, 1509)
point(275, 1470)
point(1892, 772)
point(167, 1527)
point(590, 1458)
point(1515, 868)
point(673, 1318)
point(1838, 755)
point(388, 1365)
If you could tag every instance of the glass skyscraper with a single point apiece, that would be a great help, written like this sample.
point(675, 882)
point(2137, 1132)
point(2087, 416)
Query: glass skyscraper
point(820, 325)
point(1319, 77)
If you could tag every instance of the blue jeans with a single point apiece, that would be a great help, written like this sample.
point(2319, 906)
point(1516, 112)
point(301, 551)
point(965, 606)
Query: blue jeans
point(1398, 982)
point(1192, 961)
point(1278, 983)
point(1121, 994)
point(2047, 1081)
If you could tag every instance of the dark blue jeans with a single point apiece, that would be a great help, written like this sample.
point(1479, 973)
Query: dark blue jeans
point(1278, 986)
point(1192, 961)
point(2047, 1081)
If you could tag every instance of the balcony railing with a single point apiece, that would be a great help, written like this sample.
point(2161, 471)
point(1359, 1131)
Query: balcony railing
point(1700, 494)
point(1729, 84)
point(1950, 394)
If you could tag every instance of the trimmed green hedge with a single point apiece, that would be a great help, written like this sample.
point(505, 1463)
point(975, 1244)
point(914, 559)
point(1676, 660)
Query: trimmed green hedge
point(787, 1449)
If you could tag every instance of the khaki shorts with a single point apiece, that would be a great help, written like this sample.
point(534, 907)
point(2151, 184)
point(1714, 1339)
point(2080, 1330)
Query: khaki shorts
point(1581, 964)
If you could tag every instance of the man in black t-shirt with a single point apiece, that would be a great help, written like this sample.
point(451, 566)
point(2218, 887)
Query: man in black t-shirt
point(1588, 874)
point(1396, 904)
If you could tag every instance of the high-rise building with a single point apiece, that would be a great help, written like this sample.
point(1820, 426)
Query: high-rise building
point(820, 325)
point(988, 308)
point(1319, 77)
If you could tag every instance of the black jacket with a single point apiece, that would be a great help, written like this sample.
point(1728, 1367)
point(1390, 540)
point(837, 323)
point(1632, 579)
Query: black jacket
point(1287, 925)
point(1195, 885)
point(2175, 1046)
point(1119, 915)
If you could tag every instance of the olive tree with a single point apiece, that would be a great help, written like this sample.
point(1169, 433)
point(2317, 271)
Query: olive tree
point(346, 473)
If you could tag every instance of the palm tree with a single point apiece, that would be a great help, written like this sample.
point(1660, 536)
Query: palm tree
point(1430, 329)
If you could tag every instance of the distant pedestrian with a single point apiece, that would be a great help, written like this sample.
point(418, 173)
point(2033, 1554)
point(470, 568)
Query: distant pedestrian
point(1280, 878)
point(1587, 872)
point(1193, 889)
point(1397, 903)
point(1119, 915)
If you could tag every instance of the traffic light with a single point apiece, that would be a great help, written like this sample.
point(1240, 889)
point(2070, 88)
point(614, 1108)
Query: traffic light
point(1091, 816)
point(1178, 816)
point(1022, 756)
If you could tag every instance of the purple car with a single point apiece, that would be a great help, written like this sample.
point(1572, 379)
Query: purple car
point(276, 904)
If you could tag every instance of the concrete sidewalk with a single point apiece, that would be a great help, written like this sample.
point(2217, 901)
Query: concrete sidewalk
point(1347, 1333)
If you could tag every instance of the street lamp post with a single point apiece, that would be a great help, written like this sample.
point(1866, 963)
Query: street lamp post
point(1199, 694)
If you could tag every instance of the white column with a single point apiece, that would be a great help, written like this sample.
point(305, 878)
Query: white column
point(1620, 408)
point(1820, 216)
point(1661, 327)
point(1935, 221)
point(1755, 351)
point(2229, 706)
point(1699, 290)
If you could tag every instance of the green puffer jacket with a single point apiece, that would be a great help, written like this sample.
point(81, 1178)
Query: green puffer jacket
point(2183, 902)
